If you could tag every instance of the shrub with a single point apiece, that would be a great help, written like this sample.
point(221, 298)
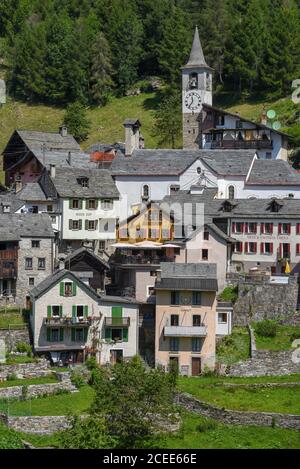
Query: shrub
point(266, 328)
point(23, 347)
point(208, 371)
point(206, 426)
point(79, 378)
point(91, 363)
point(295, 336)
point(12, 377)
point(229, 294)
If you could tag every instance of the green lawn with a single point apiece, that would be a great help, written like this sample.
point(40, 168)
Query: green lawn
point(279, 399)
point(14, 320)
point(234, 347)
point(60, 404)
point(201, 433)
point(26, 382)
point(18, 359)
point(282, 340)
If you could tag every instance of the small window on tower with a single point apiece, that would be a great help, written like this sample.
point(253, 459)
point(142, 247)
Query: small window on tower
point(193, 83)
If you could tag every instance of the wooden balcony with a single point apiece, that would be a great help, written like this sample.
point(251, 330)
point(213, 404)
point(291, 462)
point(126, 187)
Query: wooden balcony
point(242, 145)
point(141, 260)
point(116, 322)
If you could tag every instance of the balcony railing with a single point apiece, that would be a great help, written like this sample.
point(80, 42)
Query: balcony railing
point(8, 272)
point(8, 255)
point(67, 322)
point(242, 144)
point(116, 322)
point(131, 260)
point(185, 331)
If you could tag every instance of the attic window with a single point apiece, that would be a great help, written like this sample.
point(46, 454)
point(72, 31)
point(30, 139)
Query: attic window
point(6, 208)
point(83, 181)
point(275, 206)
point(227, 206)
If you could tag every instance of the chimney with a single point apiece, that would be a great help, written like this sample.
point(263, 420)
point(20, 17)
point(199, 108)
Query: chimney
point(141, 142)
point(52, 171)
point(69, 158)
point(132, 135)
point(63, 130)
point(264, 117)
point(61, 261)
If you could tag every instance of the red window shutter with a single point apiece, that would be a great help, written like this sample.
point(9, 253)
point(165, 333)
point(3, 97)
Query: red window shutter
point(297, 248)
point(233, 227)
point(261, 248)
point(271, 248)
point(298, 228)
point(271, 226)
point(255, 247)
point(246, 248)
point(289, 228)
point(241, 246)
point(262, 228)
point(243, 227)
point(246, 227)
point(280, 228)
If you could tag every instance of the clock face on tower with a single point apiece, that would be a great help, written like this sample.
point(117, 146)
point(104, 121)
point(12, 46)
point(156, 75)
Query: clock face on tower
point(193, 101)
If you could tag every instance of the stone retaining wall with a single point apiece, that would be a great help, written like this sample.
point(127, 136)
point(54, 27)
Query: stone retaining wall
point(266, 363)
point(36, 390)
point(13, 337)
point(26, 370)
point(235, 417)
point(37, 425)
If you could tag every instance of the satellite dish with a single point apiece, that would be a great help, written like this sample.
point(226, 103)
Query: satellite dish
point(276, 125)
point(271, 114)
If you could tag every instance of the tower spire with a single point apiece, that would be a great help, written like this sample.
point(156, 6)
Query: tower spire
point(196, 58)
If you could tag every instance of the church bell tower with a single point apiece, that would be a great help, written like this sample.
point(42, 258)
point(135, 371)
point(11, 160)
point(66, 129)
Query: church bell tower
point(196, 90)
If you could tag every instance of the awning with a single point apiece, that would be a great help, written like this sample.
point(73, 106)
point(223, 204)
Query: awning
point(148, 245)
point(170, 245)
point(122, 245)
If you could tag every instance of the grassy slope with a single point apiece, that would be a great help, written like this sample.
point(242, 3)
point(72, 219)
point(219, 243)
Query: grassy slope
point(235, 347)
point(282, 340)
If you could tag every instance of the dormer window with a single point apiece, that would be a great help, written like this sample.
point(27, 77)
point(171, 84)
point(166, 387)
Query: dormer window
point(83, 181)
point(275, 206)
point(231, 193)
point(174, 188)
point(227, 206)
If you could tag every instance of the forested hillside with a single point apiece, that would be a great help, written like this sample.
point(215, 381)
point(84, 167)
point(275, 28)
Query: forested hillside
point(60, 51)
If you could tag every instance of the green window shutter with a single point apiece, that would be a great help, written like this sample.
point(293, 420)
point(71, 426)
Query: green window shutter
point(86, 224)
point(62, 289)
point(85, 333)
point(116, 312)
point(80, 224)
point(70, 224)
point(80, 204)
point(60, 311)
point(86, 311)
point(74, 288)
point(70, 203)
point(97, 204)
point(125, 335)
point(73, 338)
point(107, 333)
point(61, 334)
point(74, 311)
point(49, 311)
point(48, 334)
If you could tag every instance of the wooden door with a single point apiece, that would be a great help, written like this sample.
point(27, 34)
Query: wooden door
point(196, 366)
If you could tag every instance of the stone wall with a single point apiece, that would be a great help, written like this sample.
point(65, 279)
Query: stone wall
point(266, 363)
point(235, 417)
point(258, 300)
point(13, 337)
point(26, 370)
point(36, 390)
point(37, 425)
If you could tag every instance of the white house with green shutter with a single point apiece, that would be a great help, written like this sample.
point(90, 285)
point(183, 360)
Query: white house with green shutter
point(70, 322)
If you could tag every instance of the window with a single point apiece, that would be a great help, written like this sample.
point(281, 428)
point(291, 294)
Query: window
point(220, 119)
point(145, 192)
point(31, 281)
point(79, 335)
point(53, 219)
point(6, 208)
point(238, 247)
point(79, 311)
point(28, 263)
point(196, 298)
point(116, 334)
point(75, 204)
point(238, 124)
point(250, 248)
point(175, 298)
point(231, 192)
point(266, 248)
point(251, 228)
point(101, 245)
point(90, 225)
point(54, 335)
point(153, 273)
point(165, 233)
point(237, 227)
point(196, 344)
point(49, 208)
point(266, 228)
point(193, 80)
point(91, 204)
point(196, 320)
point(284, 250)
point(55, 311)
point(150, 291)
point(174, 344)
point(297, 249)
point(123, 233)
point(222, 318)
point(107, 204)
point(83, 181)
point(41, 263)
point(284, 228)
point(68, 288)
point(35, 244)
point(268, 155)
point(206, 235)
point(205, 254)
point(174, 319)
point(298, 228)
point(75, 225)
point(154, 233)
point(34, 209)
point(174, 189)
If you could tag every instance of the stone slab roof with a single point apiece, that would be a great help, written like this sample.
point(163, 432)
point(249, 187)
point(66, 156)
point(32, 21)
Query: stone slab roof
point(191, 276)
point(54, 141)
point(273, 173)
point(15, 226)
point(31, 191)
